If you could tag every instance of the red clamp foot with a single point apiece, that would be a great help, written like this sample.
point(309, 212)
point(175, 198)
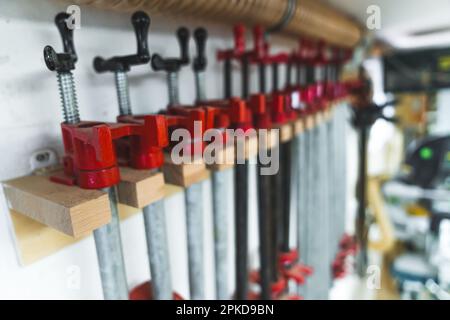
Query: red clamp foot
point(144, 292)
point(292, 270)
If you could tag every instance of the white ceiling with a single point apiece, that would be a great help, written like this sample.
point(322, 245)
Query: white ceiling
point(401, 18)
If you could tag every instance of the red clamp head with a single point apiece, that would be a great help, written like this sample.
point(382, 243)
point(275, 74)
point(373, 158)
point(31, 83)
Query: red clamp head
point(292, 270)
point(90, 159)
point(277, 103)
point(260, 51)
point(258, 106)
point(234, 112)
point(145, 150)
point(239, 45)
point(190, 118)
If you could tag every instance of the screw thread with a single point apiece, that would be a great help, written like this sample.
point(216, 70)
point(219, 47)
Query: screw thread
point(123, 93)
point(172, 85)
point(68, 97)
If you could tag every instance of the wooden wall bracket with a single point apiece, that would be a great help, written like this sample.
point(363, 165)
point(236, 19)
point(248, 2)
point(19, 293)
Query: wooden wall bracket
point(286, 131)
point(226, 159)
point(139, 188)
point(250, 146)
point(68, 209)
point(298, 126)
point(184, 175)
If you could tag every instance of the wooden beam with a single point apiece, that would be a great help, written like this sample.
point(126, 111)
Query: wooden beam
point(69, 209)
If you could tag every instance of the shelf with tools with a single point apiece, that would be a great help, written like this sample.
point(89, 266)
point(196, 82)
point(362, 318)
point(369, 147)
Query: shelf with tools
point(129, 161)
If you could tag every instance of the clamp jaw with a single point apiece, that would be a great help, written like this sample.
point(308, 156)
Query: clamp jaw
point(347, 247)
point(186, 118)
point(141, 24)
point(279, 106)
point(91, 148)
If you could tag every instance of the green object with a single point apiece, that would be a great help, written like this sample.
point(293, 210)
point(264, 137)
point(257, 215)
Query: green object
point(426, 153)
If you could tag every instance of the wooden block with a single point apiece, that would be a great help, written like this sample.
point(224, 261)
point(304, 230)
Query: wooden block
point(298, 126)
point(272, 139)
point(171, 189)
point(328, 112)
point(35, 240)
point(71, 210)
point(139, 188)
point(286, 132)
point(310, 122)
point(225, 158)
point(318, 118)
point(250, 146)
point(184, 175)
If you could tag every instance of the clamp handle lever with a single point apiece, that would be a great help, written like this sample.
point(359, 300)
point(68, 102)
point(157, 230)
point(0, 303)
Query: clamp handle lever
point(200, 61)
point(174, 64)
point(62, 62)
point(141, 24)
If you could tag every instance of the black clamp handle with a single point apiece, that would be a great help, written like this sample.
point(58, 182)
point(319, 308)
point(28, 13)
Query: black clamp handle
point(366, 116)
point(200, 61)
point(141, 24)
point(62, 62)
point(174, 64)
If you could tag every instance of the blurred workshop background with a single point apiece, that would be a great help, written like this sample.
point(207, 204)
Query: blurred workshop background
point(400, 105)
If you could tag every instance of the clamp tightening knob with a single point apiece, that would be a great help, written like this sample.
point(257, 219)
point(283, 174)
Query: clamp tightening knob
point(62, 62)
point(120, 65)
point(174, 64)
point(200, 61)
point(141, 24)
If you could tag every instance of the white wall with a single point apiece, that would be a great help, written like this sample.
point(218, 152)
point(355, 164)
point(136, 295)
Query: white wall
point(29, 120)
point(30, 114)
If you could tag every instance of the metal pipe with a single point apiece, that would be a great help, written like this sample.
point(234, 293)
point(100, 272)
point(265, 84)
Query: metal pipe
point(286, 165)
point(227, 78)
point(342, 136)
point(172, 87)
point(265, 239)
point(302, 175)
point(115, 253)
point(241, 228)
point(324, 223)
point(265, 214)
point(220, 189)
point(200, 85)
point(241, 203)
point(194, 222)
point(314, 242)
point(106, 261)
point(362, 201)
point(158, 251)
point(154, 216)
